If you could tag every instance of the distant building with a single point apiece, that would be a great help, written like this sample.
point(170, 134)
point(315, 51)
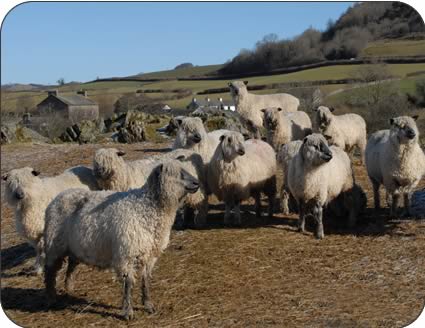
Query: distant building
point(207, 102)
point(76, 107)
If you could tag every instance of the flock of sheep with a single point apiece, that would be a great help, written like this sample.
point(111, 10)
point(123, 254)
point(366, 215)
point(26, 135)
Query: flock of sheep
point(118, 215)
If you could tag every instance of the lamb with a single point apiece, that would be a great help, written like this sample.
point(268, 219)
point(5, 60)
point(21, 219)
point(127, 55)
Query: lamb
point(249, 105)
point(191, 134)
point(115, 230)
point(395, 159)
point(318, 174)
point(29, 195)
point(240, 169)
point(345, 131)
point(113, 173)
point(283, 127)
point(284, 156)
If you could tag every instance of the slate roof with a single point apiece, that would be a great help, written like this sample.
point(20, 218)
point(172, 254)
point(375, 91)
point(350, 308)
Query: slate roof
point(75, 100)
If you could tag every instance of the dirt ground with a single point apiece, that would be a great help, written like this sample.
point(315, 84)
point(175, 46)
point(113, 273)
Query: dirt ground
point(262, 274)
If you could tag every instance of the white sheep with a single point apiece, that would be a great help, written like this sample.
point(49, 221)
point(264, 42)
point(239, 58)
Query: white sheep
point(249, 105)
point(317, 175)
point(115, 230)
point(283, 127)
point(191, 134)
point(29, 195)
point(240, 169)
point(345, 131)
point(112, 172)
point(284, 156)
point(395, 159)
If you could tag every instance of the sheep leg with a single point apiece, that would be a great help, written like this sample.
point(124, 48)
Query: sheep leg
point(50, 271)
point(257, 198)
point(39, 260)
point(69, 277)
point(407, 198)
point(376, 198)
point(238, 213)
point(350, 204)
point(301, 219)
point(127, 306)
point(395, 203)
point(228, 214)
point(271, 194)
point(318, 215)
point(284, 201)
point(146, 277)
point(201, 216)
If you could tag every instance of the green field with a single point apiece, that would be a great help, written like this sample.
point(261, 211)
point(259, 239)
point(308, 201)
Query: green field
point(113, 89)
point(391, 48)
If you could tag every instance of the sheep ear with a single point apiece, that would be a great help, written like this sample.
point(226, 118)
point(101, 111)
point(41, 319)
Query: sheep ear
point(35, 173)
point(120, 153)
point(222, 137)
point(391, 121)
point(331, 109)
point(263, 110)
point(305, 140)
point(245, 82)
point(415, 117)
point(327, 137)
point(181, 158)
point(279, 109)
point(4, 176)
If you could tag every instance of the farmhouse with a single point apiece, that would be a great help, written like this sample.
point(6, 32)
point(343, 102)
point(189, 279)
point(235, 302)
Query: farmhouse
point(207, 102)
point(75, 107)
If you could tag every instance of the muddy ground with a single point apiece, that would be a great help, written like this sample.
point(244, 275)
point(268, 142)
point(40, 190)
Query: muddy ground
point(264, 274)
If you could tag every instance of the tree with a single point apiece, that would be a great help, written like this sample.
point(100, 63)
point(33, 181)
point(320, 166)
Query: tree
point(60, 81)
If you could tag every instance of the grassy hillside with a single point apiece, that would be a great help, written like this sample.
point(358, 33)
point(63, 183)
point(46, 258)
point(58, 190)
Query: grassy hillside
point(180, 73)
point(113, 89)
point(394, 48)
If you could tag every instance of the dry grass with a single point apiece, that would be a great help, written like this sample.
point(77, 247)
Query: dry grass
point(263, 274)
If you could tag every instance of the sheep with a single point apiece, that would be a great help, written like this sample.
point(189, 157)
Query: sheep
point(249, 105)
point(318, 174)
point(115, 230)
point(283, 127)
point(345, 131)
point(284, 156)
point(191, 134)
point(240, 169)
point(113, 173)
point(29, 195)
point(395, 159)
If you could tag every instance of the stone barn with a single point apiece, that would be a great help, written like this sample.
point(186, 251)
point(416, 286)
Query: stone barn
point(75, 108)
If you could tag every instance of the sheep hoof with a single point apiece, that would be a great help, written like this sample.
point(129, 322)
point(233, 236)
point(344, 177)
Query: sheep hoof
point(38, 270)
point(149, 308)
point(319, 236)
point(129, 315)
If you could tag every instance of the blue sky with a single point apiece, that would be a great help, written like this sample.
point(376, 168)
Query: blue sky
point(41, 42)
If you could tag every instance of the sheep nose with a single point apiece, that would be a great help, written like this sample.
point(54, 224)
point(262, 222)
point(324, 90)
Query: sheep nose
point(411, 134)
point(196, 138)
point(19, 195)
point(241, 152)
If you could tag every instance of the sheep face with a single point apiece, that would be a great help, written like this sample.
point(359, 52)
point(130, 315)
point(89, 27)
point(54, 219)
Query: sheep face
point(191, 131)
point(20, 184)
point(170, 179)
point(172, 126)
point(237, 87)
point(323, 117)
point(106, 161)
point(315, 150)
point(404, 129)
point(271, 118)
point(232, 145)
